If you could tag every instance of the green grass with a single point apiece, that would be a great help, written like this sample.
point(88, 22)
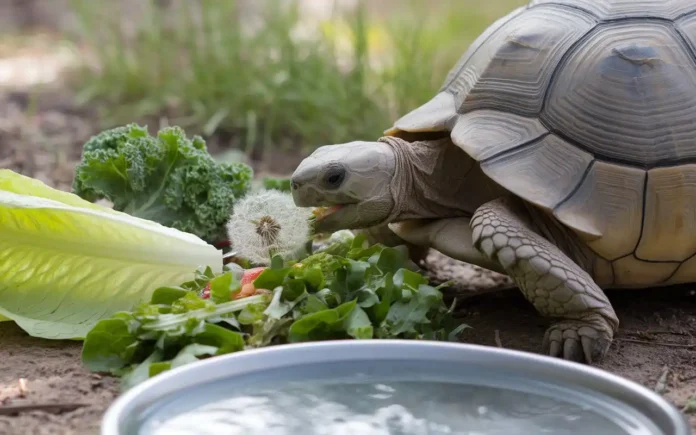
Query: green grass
point(266, 89)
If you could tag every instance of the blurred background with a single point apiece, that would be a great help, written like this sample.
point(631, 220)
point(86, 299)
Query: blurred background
point(263, 81)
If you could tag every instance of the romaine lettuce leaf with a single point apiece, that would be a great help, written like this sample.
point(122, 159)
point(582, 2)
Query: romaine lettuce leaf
point(66, 263)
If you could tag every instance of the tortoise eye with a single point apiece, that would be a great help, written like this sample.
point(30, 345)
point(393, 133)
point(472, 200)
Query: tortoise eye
point(334, 177)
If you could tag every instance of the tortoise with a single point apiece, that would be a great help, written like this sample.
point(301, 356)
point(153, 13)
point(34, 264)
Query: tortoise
point(560, 150)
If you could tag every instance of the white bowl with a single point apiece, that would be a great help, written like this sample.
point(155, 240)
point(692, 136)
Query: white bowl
point(395, 359)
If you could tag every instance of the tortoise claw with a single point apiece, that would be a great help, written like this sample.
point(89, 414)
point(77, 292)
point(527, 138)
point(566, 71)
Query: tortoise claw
point(576, 341)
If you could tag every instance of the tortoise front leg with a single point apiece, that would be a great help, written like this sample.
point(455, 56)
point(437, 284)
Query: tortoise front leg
point(549, 279)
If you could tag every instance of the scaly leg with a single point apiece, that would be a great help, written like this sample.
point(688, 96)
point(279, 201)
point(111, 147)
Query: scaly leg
point(549, 279)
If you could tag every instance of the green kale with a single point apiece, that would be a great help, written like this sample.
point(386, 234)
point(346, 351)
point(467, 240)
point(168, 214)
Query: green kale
point(169, 179)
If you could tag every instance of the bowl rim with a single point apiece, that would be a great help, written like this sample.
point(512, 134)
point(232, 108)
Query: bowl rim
point(666, 416)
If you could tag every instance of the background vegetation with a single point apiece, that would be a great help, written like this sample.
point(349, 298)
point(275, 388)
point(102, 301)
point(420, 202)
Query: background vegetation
point(272, 74)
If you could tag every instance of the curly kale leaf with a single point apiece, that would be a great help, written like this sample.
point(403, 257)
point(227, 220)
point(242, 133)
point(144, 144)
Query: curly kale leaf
point(168, 179)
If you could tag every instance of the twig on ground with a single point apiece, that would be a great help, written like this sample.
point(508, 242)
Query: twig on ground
point(22, 387)
point(497, 338)
point(658, 343)
point(661, 384)
point(55, 408)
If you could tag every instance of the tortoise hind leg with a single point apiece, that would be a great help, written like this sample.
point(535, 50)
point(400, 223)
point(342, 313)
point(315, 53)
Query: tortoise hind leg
point(556, 285)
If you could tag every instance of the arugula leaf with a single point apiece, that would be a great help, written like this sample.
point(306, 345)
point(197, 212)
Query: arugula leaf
point(406, 316)
point(108, 345)
point(141, 372)
point(223, 287)
point(167, 295)
point(322, 325)
point(251, 314)
point(358, 324)
point(280, 304)
point(271, 278)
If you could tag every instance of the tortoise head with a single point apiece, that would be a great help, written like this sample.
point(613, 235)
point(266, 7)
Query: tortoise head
point(353, 180)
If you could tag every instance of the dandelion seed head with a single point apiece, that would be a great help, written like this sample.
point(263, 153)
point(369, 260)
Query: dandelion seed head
point(268, 221)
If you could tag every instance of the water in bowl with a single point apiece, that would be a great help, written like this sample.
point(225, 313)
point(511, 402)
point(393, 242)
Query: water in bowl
point(386, 399)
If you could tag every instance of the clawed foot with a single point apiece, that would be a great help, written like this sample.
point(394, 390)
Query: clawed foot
point(579, 341)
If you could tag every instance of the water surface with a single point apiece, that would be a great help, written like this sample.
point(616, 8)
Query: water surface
point(386, 398)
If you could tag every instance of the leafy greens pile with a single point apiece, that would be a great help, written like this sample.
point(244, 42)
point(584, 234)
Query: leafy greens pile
point(353, 292)
point(169, 179)
point(146, 290)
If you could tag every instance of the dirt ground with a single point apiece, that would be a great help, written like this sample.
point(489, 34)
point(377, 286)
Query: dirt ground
point(655, 347)
point(655, 338)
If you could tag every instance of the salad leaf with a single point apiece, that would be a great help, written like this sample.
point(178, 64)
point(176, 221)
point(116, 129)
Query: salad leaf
point(365, 293)
point(163, 334)
point(322, 325)
point(169, 179)
point(68, 263)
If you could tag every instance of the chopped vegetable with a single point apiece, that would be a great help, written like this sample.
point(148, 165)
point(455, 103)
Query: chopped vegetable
point(365, 293)
point(251, 274)
point(67, 263)
point(169, 179)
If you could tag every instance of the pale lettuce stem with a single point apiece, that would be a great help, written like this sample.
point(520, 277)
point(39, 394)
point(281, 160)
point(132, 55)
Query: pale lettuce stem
point(201, 314)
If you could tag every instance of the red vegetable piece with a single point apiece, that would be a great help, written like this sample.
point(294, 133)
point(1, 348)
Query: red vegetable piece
point(250, 275)
point(205, 294)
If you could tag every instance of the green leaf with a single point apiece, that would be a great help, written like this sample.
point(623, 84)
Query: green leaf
point(404, 317)
point(68, 263)
point(167, 295)
point(270, 331)
point(225, 340)
point(329, 297)
point(191, 353)
point(227, 319)
point(108, 345)
point(191, 302)
point(322, 325)
point(200, 280)
point(312, 276)
point(251, 314)
point(406, 279)
point(355, 274)
point(141, 372)
point(158, 367)
point(281, 306)
point(358, 324)
point(389, 260)
point(223, 287)
point(277, 262)
point(172, 322)
point(314, 304)
point(271, 278)
point(454, 334)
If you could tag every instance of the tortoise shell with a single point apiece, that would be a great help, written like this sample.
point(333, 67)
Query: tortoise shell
point(587, 108)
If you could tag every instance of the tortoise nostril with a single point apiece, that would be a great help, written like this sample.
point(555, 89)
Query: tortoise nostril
point(294, 185)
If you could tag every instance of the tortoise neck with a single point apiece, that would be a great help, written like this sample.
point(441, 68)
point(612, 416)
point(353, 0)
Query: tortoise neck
point(436, 179)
